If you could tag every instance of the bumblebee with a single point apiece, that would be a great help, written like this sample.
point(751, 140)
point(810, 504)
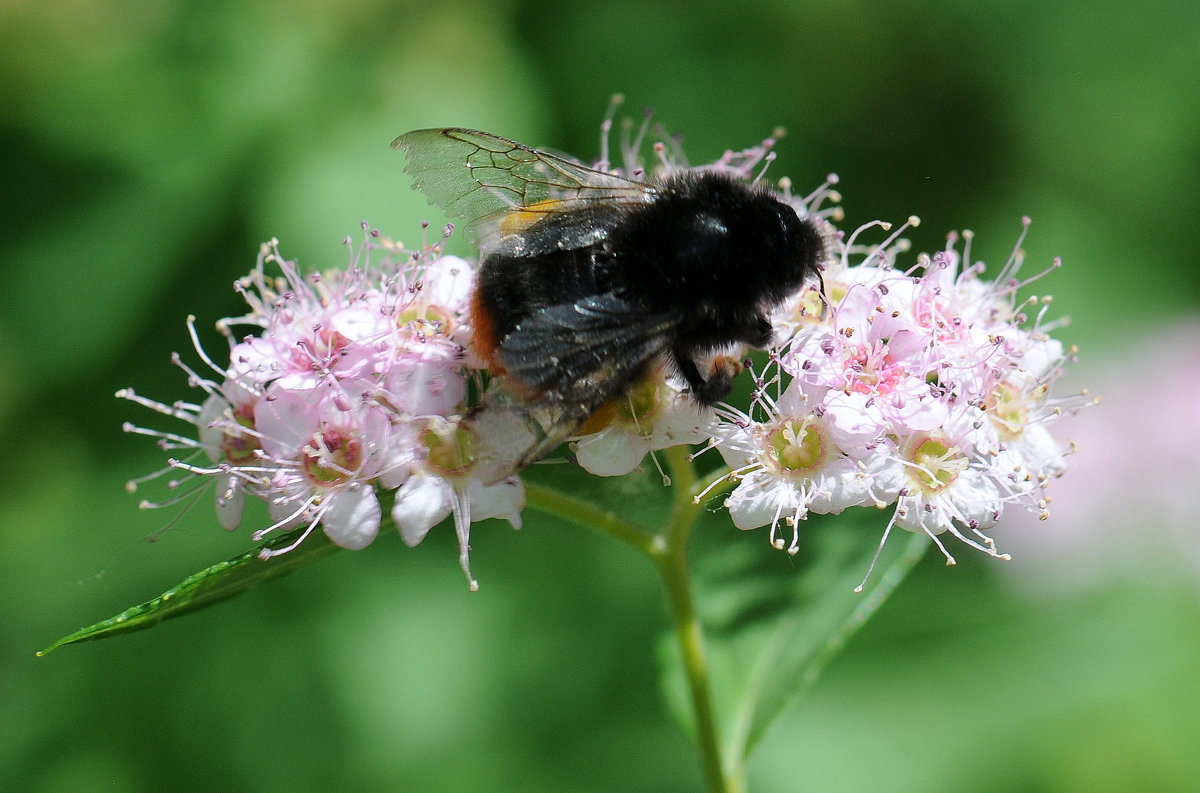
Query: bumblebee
point(589, 279)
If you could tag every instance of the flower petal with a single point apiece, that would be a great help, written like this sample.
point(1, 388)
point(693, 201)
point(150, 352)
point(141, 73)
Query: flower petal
point(502, 500)
point(422, 502)
point(351, 518)
point(612, 451)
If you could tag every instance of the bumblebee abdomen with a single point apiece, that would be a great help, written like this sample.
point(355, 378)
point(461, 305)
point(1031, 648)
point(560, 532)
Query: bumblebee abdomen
point(512, 290)
point(485, 337)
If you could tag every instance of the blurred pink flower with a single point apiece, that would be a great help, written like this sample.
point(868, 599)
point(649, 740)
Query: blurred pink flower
point(1130, 500)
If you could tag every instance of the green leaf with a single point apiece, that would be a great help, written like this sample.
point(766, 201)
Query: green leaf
point(209, 586)
point(813, 629)
point(772, 623)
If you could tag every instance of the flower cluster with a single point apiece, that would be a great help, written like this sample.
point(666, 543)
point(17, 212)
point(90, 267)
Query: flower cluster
point(352, 387)
point(928, 389)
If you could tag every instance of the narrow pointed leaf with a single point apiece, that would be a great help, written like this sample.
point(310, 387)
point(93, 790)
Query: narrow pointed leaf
point(810, 633)
point(208, 587)
point(773, 623)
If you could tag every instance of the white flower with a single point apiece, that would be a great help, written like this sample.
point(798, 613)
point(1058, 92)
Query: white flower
point(927, 390)
point(788, 461)
point(654, 414)
point(444, 481)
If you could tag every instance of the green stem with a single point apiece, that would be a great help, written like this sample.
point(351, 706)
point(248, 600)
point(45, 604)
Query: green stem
point(671, 563)
point(561, 505)
point(672, 567)
point(668, 552)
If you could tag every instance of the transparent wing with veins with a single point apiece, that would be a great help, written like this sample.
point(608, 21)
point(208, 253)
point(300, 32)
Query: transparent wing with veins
point(499, 187)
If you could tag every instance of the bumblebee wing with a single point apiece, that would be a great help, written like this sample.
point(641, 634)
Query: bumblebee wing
point(483, 179)
point(579, 356)
point(585, 351)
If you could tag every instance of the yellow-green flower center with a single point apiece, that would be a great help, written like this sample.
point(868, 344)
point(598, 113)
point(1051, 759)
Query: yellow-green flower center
point(636, 408)
point(936, 463)
point(811, 307)
point(639, 404)
point(430, 317)
point(450, 448)
point(1009, 408)
point(796, 446)
point(240, 448)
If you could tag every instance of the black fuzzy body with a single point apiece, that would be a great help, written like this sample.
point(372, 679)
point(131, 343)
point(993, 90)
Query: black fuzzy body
point(576, 307)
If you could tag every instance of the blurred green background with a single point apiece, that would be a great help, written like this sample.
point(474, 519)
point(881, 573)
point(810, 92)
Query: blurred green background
point(148, 146)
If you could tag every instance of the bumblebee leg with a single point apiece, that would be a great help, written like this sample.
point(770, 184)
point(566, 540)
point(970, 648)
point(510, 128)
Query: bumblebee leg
point(714, 388)
point(722, 370)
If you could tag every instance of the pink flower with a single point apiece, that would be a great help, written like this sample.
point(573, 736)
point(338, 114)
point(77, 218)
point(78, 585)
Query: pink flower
point(444, 481)
point(334, 398)
point(929, 389)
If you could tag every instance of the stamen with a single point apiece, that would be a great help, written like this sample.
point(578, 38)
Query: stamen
point(878, 550)
point(462, 527)
point(267, 553)
point(606, 129)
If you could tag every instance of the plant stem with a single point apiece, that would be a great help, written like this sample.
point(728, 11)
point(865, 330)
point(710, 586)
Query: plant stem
point(668, 552)
point(671, 563)
point(562, 505)
point(672, 567)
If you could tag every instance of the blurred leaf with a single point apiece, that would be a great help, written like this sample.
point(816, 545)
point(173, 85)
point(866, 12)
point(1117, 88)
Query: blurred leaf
point(771, 628)
point(814, 627)
point(209, 586)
